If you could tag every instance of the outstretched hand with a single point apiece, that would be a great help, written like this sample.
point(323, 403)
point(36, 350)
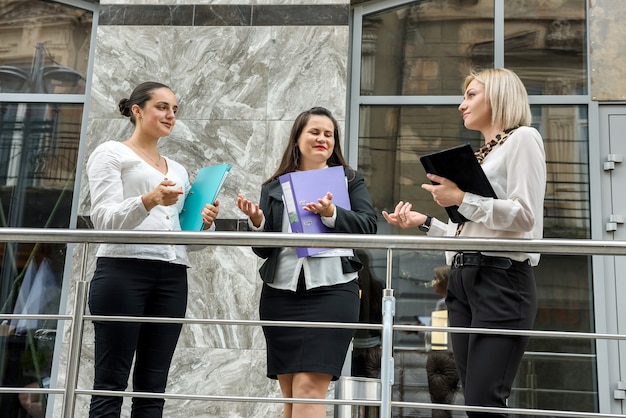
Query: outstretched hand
point(404, 217)
point(252, 210)
point(324, 206)
point(164, 194)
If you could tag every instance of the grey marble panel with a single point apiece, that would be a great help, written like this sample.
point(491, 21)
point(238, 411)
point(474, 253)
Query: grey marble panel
point(308, 68)
point(221, 15)
point(223, 284)
point(224, 15)
point(222, 72)
point(298, 15)
point(124, 58)
point(162, 15)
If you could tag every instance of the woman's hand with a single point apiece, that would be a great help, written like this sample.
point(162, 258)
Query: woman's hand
point(164, 194)
point(404, 217)
point(446, 193)
point(209, 213)
point(252, 210)
point(324, 206)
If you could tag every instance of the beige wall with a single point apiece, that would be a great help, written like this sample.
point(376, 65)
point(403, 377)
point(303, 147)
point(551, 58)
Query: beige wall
point(607, 49)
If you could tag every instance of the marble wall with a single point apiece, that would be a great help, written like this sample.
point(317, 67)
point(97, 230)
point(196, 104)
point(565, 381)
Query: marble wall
point(242, 71)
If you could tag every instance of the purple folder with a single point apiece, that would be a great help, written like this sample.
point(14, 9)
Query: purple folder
point(301, 187)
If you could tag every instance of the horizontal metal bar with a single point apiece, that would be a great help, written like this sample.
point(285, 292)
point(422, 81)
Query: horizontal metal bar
point(458, 330)
point(543, 355)
point(356, 241)
point(32, 390)
point(45, 317)
point(501, 331)
point(43, 98)
point(510, 411)
point(348, 325)
point(227, 398)
point(333, 401)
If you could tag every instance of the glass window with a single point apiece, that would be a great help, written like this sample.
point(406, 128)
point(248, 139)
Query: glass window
point(38, 153)
point(546, 46)
point(45, 47)
point(44, 50)
point(424, 47)
point(391, 142)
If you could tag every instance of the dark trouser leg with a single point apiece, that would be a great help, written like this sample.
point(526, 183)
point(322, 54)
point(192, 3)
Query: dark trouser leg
point(492, 365)
point(115, 342)
point(131, 287)
point(157, 342)
point(490, 298)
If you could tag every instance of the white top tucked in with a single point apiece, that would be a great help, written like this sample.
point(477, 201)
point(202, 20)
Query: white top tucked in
point(516, 170)
point(117, 179)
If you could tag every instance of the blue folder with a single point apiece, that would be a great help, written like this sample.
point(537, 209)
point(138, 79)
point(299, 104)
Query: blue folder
point(301, 187)
point(205, 188)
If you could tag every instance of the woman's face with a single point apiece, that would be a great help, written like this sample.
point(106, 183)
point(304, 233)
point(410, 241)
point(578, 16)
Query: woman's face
point(475, 107)
point(316, 142)
point(158, 116)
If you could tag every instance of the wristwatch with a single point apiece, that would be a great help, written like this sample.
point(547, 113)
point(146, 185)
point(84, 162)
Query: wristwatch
point(425, 227)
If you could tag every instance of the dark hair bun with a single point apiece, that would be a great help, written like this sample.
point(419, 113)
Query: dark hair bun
point(124, 106)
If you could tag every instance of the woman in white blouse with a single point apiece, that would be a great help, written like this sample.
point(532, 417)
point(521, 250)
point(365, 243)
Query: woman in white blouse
point(134, 187)
point(491, 289)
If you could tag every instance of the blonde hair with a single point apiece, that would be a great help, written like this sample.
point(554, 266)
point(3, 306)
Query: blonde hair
point(506, 95)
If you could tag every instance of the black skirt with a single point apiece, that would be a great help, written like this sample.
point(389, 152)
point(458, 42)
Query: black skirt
point(318, 350)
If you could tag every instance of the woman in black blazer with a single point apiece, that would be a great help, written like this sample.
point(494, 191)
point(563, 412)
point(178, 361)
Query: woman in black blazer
point(315, 288)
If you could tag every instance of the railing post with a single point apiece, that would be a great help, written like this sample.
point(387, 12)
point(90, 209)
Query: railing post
point(75, 340)
point(387, 365)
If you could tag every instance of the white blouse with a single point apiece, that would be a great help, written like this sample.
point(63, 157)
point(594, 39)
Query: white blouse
point(117, 179)
point(517, 171)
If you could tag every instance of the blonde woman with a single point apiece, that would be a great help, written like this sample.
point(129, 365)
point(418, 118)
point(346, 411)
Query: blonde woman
point(489, 289)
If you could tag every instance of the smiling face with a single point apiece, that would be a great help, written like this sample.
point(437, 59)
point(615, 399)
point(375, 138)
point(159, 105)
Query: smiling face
point(475, 108)
point(316, 142)
point(158, 116)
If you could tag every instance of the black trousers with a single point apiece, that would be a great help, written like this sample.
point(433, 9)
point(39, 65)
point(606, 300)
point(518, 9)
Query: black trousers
point(133, 287)
point(488, 297)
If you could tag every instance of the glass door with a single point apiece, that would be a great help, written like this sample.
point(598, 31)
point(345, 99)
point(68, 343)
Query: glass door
point(611, 309)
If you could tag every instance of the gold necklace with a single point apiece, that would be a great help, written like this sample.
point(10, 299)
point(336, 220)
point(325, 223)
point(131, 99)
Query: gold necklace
point(157, 163)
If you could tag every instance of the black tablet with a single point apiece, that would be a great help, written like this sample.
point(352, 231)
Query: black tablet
point(460, 165)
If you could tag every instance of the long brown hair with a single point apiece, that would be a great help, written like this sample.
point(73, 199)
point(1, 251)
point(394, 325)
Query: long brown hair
point(290, 161)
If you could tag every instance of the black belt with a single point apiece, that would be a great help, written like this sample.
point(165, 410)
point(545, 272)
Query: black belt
point(479, 260)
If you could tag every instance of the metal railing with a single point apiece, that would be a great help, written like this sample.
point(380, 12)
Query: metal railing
point(387, 327)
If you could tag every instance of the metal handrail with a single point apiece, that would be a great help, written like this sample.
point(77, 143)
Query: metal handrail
point(356, 241)
point(262, 239)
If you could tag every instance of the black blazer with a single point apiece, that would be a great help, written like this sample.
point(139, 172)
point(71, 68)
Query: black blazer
point(360, 220)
